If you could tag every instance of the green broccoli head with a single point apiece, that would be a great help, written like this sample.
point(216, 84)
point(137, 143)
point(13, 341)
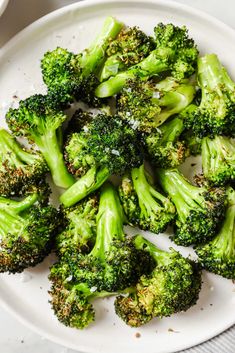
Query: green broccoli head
point(199, 209)
point(105, 146)
point(129, 48)
point(165, 147)
point(215, 113)
point(172, 286)
point(19, 167)
point(80, 227)
point(38, 119)
point(175, 54)
point(27, 230)
point(143, 205)
point(184, 52)
point(218, 256)
point(70, 76)
point(146, 104)
point(218, 159)
point(70, 301)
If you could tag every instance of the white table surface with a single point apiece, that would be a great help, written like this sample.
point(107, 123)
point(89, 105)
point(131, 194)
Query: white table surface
point(14, 337)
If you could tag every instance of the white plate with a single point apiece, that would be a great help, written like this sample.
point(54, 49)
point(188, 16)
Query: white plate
point(3, 5)
point(25, 295)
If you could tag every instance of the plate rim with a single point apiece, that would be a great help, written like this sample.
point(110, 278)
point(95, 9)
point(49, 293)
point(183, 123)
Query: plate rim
point(27, 31)
point(3, 6)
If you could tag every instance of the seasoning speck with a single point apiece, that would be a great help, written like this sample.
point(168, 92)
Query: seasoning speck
point(171, 330)
point(137, 335)
point(193, 164)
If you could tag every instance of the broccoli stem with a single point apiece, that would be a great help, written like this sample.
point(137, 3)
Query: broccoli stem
point(12, 152)
point(175, 101)
point(151, 65)
point(210, 75)
point(93, 57)
point(18, 206)
point(110, 219)
point(171, 130)
point(160, 256)
point(224, 242)
point(51, 150)
point(216, 152)
point(10, 223)
point(184, 195)
point(88, 183)
point(147, 195)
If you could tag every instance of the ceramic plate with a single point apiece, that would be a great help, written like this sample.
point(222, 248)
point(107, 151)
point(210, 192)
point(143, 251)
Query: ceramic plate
point(3, 5)
point(25, 294)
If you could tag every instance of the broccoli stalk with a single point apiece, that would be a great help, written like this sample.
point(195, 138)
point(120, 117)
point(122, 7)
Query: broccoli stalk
point(143, 205)
point(19, 168)
point(218, 256)
point(70, 76)
point(26, 230)
point(38, 119)
point(84, 186)
point(175, 53)
point(215, 114)
point(218, 159)
point(164, 146)
point(172, 286)
point(199, 209)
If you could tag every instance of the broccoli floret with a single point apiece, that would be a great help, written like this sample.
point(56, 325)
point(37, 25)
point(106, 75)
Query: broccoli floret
point(146, 104)
point(218, 159)
point(165, 146)
point(80, 228)
point(215, 114)
point(113, 264)
point(37, 119)
point(218, 255)
point(199, 209)
point(104, 147)
point(175, 54)
point(70, 76)
point(71, 301)
point(172, 286)
point(19, 167)
point(27, 229)
point(129, 48)
point(143, 205)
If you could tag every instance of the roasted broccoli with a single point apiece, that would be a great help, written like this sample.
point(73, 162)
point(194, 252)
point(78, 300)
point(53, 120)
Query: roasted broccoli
point(218, 159)
point(172, 286)
point(70, 76)
point(19, 167)
point(129, 48)
point(38, 119)
point(199, 209)
point(218, 255)
point(103, 147)
point(165, 146)
point(80, 227)
point(112, 265)
point(27, 229)
point(215, 114)
point(71, 300)
point(146, 104)
point(143, 205)
point(175, 54)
